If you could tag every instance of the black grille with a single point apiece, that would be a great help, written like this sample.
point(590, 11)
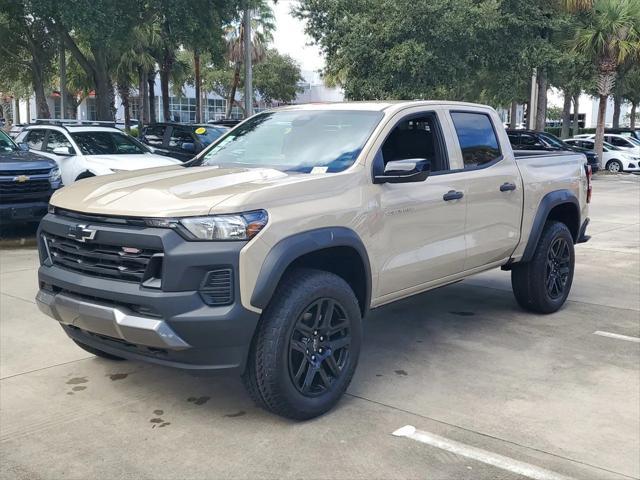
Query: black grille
point(109, 261)
point(19, 188)
point(217, 287)
point(29, 173)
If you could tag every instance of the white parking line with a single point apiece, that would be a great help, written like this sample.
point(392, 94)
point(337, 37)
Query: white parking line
point(499, 461)
point(618, 336)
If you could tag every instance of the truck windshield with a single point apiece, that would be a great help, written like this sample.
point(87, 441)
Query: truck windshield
point(304, 141)
point(6, 144)
point(107, 143)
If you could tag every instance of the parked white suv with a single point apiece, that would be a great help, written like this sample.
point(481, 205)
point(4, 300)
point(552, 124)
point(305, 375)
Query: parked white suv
point(614, 159)
point(86, 151)
point(625, 142)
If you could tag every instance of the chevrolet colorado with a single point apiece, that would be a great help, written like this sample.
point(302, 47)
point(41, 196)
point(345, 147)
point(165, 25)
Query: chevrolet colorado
point(27, 181)
point(263, 254)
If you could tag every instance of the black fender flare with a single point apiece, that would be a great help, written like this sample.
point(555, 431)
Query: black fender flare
point(287, 250)
point(548, 202)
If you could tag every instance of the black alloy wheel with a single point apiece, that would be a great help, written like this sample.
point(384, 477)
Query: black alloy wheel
point(558, 268)
point(319, 347)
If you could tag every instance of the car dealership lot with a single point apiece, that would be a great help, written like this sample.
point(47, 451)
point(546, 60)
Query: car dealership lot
point(463, 363)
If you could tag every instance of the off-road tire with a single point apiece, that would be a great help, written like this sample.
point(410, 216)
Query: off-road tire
point(99, 353)
point(529, 280)
point(267, 376)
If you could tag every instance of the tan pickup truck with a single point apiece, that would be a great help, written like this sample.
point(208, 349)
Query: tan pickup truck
point(263, 254)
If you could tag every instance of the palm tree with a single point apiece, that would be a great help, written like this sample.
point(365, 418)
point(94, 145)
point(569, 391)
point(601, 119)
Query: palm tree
point(262, 27)
point(609, 35)
point(631, 93)
point(139, 61)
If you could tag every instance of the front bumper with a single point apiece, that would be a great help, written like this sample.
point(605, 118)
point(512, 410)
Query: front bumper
point(169, 324)
point(23, 211)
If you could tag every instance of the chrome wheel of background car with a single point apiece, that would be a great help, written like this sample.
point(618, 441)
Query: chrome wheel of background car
point(319, 347)
point(558, 268)
point(614, 166)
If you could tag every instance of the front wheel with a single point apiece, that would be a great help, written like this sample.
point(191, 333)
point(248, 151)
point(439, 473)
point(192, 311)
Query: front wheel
point(542, 285)
point(614, 166)
point(307, 345)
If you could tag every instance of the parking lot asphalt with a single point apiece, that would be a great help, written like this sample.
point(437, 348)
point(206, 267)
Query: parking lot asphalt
point(462, 364)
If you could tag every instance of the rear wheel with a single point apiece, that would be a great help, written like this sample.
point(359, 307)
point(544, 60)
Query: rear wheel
point(543, 284)
point(98, 353)
point(307, 346)
point(614, 166)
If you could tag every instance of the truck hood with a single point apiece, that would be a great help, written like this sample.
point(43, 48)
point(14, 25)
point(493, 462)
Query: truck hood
point(169, 191)
point(131, 162)
point(21, 160)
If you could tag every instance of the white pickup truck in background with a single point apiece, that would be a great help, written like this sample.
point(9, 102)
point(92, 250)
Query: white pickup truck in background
point(263, 254)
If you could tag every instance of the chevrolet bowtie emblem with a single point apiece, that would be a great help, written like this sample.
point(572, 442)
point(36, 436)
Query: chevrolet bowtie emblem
point(21, 178)
point(81, 233)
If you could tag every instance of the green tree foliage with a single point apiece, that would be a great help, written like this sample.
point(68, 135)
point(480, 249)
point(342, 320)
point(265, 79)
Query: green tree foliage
point(455, 49)
point(26, 52)
point(95, 32)
point(610, 36)
point(262, 27)
point(631, 92)
point(276, 78)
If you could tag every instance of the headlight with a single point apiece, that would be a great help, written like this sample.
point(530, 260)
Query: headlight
point(54, 175)
point(241, 226)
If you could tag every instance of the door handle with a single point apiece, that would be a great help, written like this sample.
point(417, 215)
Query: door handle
point(507, 187)
point(452, 195)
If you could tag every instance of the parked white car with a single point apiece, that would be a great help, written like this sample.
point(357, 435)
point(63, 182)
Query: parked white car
point(624, 142)
point(614, 159)
point(87, 151)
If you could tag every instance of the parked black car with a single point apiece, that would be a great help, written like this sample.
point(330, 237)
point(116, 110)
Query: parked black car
point(532, 140)
point(27, 181)
point(179, 140)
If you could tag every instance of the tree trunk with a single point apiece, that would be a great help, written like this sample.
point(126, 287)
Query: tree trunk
point(123, 91)
point(151, 87)
point(165, 72)
point(632, 116)
point(617, 103)
point(105, 96)
point(513, 122)
point(37, 78)
point(576, 115)
point(16, 111)
point(541, 107)
point(196, 67)
point(28, 119)
point(164, 91)
point(602, 113)
point(232, 91)
point(566, 115)
point(143, 103)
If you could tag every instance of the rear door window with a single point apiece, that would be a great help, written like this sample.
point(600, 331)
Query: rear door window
point(180, 136)
point(35, 138)
point(56, 139)
point(154, 135)
point(477, 138)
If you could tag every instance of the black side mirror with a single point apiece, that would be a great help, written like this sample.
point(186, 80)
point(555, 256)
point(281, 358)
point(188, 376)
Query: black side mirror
point(405, 171)
point(24, 146)
point(189, 147)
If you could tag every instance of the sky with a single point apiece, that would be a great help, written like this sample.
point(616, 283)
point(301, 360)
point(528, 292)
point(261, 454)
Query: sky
point(289, 38)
